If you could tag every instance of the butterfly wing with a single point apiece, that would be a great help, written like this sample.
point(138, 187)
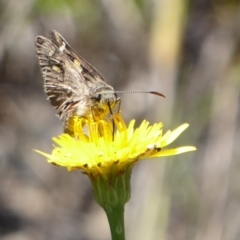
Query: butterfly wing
point(90, 74)
point(64, 84)
point(72, 85)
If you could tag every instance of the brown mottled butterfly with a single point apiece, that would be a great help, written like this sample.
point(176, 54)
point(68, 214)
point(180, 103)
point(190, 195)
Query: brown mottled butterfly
point(72, 85)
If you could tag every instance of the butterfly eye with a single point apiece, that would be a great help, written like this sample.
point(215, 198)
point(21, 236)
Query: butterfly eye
point(98, 97)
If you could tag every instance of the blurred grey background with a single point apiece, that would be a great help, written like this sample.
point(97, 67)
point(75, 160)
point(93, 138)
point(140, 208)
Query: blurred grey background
point(189, 51)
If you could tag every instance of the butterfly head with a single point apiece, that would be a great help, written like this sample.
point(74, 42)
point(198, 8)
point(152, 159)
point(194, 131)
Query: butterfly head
point(104, 99)
point(105, 95)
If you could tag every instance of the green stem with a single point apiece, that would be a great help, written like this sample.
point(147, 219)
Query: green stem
point(116, 221)
point(111, 191)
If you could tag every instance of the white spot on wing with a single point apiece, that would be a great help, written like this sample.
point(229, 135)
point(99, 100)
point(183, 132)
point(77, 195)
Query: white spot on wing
point(50, 53)
point(61, 49)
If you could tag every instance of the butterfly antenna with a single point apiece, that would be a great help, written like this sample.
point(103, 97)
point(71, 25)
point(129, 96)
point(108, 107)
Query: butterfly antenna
point(136, 91)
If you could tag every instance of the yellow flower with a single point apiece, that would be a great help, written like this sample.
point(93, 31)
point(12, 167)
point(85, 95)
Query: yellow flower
point(98, 151)
point(107, 155)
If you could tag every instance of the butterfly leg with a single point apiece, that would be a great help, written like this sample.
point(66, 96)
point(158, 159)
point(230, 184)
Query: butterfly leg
point(113, 124)
point(118, 103)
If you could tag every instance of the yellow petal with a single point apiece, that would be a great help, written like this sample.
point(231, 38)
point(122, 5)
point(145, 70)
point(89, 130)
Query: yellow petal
point(174, 151)
point(169, 137)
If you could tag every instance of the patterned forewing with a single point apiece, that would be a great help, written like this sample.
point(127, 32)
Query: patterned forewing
point(90, 74)
point(63, 82)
